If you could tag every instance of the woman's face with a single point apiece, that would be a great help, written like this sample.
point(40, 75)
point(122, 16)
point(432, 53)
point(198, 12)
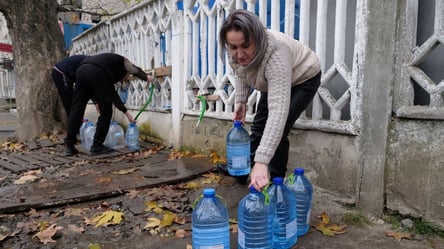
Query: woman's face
point(241, 51)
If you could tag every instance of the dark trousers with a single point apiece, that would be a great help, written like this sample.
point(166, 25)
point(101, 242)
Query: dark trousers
point(91, 82)
point(301, 97)
point(65, 89)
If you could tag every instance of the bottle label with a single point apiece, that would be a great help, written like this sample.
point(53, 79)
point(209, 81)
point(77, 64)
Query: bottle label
point(291, 229)
point(308, 216)
point(240, 162)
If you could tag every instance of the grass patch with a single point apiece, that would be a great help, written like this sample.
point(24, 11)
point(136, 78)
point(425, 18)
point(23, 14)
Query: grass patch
point(420, 225)
point(356, 219)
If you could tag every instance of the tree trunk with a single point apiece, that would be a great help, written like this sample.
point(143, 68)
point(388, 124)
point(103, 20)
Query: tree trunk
point(38, 44)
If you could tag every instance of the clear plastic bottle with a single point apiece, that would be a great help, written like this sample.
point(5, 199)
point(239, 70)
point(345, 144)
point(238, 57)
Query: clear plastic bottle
point(255, 217)
point(82, 131)
point(210, 227)
point(90, 130)
point(238, 150)
point(303, 190)
point(132, 137)
point(115, 137)
point(285, 224)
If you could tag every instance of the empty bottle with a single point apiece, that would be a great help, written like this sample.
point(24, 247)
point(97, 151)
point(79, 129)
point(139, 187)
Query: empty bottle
point(284, 224)
point(303, 191)
point(255, 217)
point(210, 227)
point(90, 130)
point(132, 137)
point(115, 137)
point(238, 150)
point(82, 131)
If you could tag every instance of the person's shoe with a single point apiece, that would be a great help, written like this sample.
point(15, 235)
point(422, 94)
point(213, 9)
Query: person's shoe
point(241, 180)
point(222, 169)
point(97, 149)
point(70, 150)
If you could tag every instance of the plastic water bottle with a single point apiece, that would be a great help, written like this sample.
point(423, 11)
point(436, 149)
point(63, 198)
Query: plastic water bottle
point(255, 217)
point(132, 137)
point(210, 227)
point(82, 131)
point(90, 130)
point(285, 224)
point(238, 150)
point(115, 137)
point(303, 190)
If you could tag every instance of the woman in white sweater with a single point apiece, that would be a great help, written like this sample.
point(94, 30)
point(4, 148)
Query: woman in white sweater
point(287, 74)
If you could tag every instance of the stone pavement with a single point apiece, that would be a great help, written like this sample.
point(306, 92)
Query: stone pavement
point(8, 123)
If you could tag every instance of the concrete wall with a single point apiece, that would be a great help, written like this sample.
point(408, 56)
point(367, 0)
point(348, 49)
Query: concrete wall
point(415, 169)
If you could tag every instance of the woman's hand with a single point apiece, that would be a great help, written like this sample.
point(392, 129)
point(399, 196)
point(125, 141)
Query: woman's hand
point(130, 117)
point(259, 176)
point(240, 112)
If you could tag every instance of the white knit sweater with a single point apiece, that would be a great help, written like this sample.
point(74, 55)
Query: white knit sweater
point(286, 63)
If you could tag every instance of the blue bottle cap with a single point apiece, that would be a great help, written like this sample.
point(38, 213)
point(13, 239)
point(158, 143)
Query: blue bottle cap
point(299, 171)
point(278, 180)
point(237, 123)
point(132, 124)
point(208, 192)
point(114, 122)
point(253, 190)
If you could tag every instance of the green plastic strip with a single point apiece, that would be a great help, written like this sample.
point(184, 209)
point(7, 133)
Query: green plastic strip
point(203, 109)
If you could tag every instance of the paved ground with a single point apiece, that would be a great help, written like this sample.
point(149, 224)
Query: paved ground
point(145, 187)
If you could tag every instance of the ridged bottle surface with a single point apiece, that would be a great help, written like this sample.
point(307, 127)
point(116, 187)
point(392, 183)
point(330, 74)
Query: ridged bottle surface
point(285, 224)
point(210, 227)
point(238, 150)
point(115, 137)
point(255, 217)
point(82, 131)
point(303, 190)
point(90, 130)
point(132, 137)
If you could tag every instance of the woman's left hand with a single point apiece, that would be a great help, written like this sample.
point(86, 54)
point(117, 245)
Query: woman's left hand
point(259, 176)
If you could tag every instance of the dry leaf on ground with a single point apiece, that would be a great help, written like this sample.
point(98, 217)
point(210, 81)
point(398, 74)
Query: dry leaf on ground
point(108, 218)
point(398, 235)
point(329, 229)
point(45, 235)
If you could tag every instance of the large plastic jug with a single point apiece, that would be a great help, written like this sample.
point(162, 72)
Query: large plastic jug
point(115, 137)
point(132, 137)
point(210, 226)
point(285, 224)
point(303, 190)
point(255, 217)
point(238, 150)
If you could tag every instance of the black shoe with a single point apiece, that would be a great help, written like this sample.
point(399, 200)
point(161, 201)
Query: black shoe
point(70, 150)
point(222, 169)
point(97, 149)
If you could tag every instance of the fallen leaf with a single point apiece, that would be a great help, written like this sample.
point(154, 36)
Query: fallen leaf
point(125, 171)
point(152, 205)
point(45, 235)
point(25, 179)
point(167, 219)
point(215, 158)
point(181, 233)
point(4, 232)
point(76, 229)
point(94, 246)
point(329, 229)
point(104, 179)
point(398, 235)
point(74, 211)
point(180, 220)
point(108, 218)
point(152, 222)
point(132, 193)
point(211, 178)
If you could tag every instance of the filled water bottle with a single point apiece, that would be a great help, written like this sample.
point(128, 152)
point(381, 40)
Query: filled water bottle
point(132, 137)
point(255, 217)
point(303, 190)
point(82, 131)
point(115, 137)
point(210, 226)
point(90, 130)
point(238, 150)
point(284, 224)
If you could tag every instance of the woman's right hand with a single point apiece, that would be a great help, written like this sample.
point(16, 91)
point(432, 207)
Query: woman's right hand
point(240, 111)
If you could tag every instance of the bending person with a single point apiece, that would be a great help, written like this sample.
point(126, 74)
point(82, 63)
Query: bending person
point(96, 77)
point(286, 73)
